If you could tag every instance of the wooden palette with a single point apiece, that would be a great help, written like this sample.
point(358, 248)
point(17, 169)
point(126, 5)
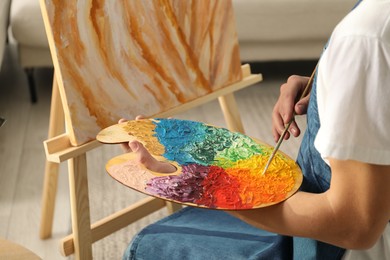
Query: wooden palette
point(216, 168)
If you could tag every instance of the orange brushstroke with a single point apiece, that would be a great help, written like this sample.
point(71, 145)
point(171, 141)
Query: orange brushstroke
point(192, 62)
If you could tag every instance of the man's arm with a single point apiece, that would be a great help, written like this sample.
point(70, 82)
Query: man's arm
point(351, 214)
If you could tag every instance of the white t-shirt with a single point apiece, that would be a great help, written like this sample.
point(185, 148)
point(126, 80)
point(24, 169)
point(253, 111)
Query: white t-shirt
point(353, 95)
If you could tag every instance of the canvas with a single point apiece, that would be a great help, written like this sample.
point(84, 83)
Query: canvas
point(119, 59)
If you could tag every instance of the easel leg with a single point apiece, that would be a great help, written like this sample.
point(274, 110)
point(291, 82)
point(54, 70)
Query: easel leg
point(172, 207)
point(48, 199)
point(231, 113)
point(79, 200)
point(56, 127)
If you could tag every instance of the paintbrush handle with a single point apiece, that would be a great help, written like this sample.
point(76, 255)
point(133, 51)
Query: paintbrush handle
point(309, 84)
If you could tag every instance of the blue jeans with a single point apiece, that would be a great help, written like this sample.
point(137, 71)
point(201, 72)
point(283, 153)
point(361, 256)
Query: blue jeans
point(194, 233)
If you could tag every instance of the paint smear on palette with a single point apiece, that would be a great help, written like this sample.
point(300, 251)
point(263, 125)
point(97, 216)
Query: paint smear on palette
point(216, 168)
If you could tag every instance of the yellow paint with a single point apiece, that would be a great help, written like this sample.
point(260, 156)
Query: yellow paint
point(143, 130)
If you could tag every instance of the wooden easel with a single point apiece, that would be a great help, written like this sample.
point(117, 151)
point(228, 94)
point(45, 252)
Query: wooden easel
point(59, 149)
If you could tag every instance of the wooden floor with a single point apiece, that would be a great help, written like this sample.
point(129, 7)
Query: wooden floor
point(22, 157)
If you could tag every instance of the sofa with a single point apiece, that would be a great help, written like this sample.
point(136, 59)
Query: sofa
point(268, 30)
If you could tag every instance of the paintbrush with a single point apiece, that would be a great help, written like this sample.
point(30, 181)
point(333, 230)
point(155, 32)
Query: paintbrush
point(281, 138)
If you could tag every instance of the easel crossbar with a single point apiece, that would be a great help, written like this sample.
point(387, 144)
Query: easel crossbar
point(59, 148)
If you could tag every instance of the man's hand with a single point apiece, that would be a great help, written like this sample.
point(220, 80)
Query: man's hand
point(144, 157)
point(286, 106)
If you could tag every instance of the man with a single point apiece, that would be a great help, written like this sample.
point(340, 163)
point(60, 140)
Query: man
point(344, 202)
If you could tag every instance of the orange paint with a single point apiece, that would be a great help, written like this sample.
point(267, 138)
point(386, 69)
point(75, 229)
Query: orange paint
point(273, 186)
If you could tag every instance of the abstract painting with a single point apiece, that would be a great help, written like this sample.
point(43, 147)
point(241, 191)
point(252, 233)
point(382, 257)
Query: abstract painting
point(119, 59)
point(215, 168)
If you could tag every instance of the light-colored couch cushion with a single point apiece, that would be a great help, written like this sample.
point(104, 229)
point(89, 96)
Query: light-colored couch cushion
point(27, 23)
point(27, 29)
point(4, 11)
point(286, 29)
point(277, 20)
